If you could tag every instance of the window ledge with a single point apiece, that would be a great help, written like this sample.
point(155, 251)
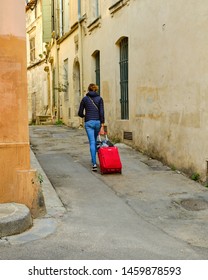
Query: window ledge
point(95, 24)
point(35, 63)
point(66, 35)
point(117, 6)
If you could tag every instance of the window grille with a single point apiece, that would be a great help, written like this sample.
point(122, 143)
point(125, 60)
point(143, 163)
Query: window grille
point(127, 135)
point(124, 100)
point(97, 70)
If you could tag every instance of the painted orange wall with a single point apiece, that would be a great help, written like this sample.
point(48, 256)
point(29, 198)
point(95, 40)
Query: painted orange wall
point(18, 183)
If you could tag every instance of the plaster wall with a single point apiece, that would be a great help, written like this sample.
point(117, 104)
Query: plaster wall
point(18, 182)
point(38, 87)
point(69, 50)
point(168, 77)
point(37, 92)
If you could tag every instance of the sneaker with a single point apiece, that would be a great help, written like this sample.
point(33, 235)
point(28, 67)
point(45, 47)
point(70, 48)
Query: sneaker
point(94, 167)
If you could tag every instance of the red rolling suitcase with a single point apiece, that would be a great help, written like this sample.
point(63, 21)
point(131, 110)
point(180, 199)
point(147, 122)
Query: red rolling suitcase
point(109, 159)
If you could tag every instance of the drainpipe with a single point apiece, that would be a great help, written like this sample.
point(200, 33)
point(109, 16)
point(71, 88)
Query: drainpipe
point(56, 82)
point(57, 47)
point(80, 56)
point(80, 46)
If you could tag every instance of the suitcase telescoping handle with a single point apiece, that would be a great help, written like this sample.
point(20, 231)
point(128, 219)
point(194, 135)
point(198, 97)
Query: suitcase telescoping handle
point(104, 143)
point(99, 137)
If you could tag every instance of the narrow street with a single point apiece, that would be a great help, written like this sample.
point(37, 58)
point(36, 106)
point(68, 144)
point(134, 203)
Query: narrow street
point(147, 212)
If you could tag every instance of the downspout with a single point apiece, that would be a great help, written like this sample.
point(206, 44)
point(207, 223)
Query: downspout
point(58, 93)
point(80, 47)
point(80, 56)
point(57, 58)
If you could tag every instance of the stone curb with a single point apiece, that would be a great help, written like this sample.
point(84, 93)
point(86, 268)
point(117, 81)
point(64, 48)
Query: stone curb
point(14, 219)
point(16, 230)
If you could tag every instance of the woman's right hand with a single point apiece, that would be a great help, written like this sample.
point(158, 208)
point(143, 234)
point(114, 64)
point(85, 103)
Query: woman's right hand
point(102, 131)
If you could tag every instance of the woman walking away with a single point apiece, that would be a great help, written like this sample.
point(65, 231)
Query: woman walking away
point(92, 110)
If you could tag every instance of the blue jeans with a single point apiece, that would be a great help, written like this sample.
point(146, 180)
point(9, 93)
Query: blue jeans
point(92, 128)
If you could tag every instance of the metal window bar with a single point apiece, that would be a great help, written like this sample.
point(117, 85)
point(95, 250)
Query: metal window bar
point(124, 100)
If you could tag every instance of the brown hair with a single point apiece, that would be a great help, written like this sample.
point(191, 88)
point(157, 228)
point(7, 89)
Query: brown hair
point(93, 87)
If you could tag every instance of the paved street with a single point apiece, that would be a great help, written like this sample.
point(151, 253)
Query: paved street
point(147, 212)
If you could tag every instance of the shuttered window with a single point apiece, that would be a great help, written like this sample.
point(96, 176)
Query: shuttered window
point(124, 100)
point(47, 19)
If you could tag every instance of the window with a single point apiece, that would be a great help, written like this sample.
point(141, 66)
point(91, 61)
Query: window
point(66, 18)
point(65, 84)
point(53, 16)
point(94, 16)
point(95, 9)
point(117, 5)
point(61, 17)
point(48, 18)
point(81, 9)
point(54, 101)
point(32, 49)
point(36, 10)
point(97, 69)
point(124, 78)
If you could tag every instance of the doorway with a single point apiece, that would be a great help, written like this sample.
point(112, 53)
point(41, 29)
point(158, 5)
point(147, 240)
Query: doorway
point(77, 90)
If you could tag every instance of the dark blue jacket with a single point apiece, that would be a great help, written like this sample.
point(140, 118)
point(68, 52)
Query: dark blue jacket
point(88, 110)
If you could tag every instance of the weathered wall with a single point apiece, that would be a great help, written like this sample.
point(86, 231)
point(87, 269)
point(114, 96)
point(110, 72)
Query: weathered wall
point(167, 77)
point(69, 48)
point(18, 182)
point(38, 92)
point(38, 86)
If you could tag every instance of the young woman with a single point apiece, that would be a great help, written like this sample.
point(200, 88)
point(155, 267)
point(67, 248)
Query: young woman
point(92, 110)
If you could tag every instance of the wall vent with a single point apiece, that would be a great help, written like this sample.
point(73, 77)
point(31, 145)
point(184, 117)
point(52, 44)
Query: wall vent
point(69, 113)
point(127, 135)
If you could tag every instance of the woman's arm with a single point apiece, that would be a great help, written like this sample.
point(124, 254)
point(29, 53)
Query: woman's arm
point(101, 112)
point(81, 109)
